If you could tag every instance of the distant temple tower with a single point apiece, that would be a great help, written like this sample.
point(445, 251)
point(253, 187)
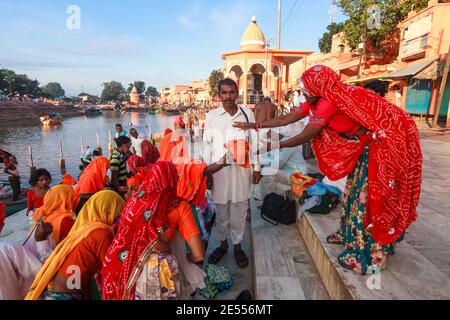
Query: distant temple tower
point(134, 97)
point(253, 37)
point(258, 70)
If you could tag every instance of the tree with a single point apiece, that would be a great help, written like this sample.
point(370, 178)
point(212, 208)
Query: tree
point(152, 92)
point(140, 86)
point(326, 40)
point(214, 79)
point(113, 91)
point(386, 14)
point(54, 90)
point(18, 84)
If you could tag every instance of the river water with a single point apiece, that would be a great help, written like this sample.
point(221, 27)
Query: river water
point(45, 140)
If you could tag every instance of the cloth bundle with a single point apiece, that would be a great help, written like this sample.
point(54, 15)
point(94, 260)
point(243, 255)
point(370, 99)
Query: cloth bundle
point(300, 183)
point(218, 281)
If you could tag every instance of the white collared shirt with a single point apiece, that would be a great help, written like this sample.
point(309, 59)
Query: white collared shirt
point(232, 183)
point(136, 144)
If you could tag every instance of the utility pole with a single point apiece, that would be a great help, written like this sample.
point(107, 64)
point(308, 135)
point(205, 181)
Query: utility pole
point(279, 25)
point(362, 53)
point(441, 92)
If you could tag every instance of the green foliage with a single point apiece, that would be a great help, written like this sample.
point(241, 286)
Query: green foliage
point(152, 92)
point(214, 79)
point(113, 91)
point(140, 86)
point(12, 84)
point(326, 40)
point(54, 90)
point(392, 12)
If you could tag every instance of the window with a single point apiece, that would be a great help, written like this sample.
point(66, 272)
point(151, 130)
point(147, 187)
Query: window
point(415, 45)
point(424, 41)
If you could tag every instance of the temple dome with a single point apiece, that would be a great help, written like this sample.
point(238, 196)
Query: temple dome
point(253, 37)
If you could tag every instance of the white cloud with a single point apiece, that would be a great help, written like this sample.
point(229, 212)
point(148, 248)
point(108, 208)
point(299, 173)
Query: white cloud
point(104, 46)
point(226, 17)
point(192, 19)
point(222, 16)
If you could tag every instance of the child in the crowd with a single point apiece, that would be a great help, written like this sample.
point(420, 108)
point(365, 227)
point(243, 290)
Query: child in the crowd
point(40, 182)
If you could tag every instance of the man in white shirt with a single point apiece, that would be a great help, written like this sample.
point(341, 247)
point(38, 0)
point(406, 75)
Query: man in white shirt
point(136, 142)
point(233, 185)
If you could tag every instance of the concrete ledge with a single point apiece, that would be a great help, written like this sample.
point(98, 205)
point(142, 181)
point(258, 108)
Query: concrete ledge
point(418, 270)
point(333, 282)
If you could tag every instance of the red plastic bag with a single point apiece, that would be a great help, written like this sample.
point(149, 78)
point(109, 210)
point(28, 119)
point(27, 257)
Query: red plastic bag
point(241, 152)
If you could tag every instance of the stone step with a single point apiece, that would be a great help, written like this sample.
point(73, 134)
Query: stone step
point(283, 268)
point(420, 269)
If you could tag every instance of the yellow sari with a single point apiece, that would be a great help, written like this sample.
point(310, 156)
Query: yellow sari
point(100, 211)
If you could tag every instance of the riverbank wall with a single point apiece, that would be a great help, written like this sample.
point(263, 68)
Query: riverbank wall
point(13, 114)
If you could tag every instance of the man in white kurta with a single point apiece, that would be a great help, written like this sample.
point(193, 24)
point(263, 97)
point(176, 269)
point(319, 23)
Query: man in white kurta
point(233, 185)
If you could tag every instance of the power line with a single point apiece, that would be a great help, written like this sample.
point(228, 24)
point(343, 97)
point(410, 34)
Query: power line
point(296, 13)
point(289, 15)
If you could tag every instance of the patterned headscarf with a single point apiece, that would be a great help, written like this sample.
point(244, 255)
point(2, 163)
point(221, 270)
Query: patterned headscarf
point(143, 217)
point(395, 157)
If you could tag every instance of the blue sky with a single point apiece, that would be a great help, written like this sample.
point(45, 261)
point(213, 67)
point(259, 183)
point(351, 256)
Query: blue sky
point(159, 42)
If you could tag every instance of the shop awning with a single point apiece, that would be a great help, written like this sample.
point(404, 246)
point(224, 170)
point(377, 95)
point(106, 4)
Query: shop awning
point(433, 71)
point(380, 77)
point(411, 69)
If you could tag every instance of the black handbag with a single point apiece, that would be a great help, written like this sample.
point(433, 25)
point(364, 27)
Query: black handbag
point(276, 209)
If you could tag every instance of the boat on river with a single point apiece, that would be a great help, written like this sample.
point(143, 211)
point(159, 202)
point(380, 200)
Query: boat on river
point(13, 207)
point(51, 119)
point(6, 191)
point(93, 111)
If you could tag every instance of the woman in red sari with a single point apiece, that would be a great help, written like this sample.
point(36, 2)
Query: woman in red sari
point(357, 133)
point(138, 264)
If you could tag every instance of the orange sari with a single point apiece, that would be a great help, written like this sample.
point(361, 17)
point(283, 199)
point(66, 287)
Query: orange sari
point(68, 179)
point(191, 182)
point(172, 148)
point(58, 205)
point(93, 178)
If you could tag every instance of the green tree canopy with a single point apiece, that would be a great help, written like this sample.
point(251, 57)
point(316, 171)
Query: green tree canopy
point(214, 79)
point(12, 84)
point(140, 86)
point(112, 91)
point(54, 90)
point(326, 40)
point(152, 92)
point(378, 22)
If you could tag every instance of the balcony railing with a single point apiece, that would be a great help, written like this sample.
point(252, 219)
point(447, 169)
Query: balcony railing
point(415, 46)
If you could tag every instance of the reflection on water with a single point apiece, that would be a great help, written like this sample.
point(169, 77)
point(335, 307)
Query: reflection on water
point(45, 139)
